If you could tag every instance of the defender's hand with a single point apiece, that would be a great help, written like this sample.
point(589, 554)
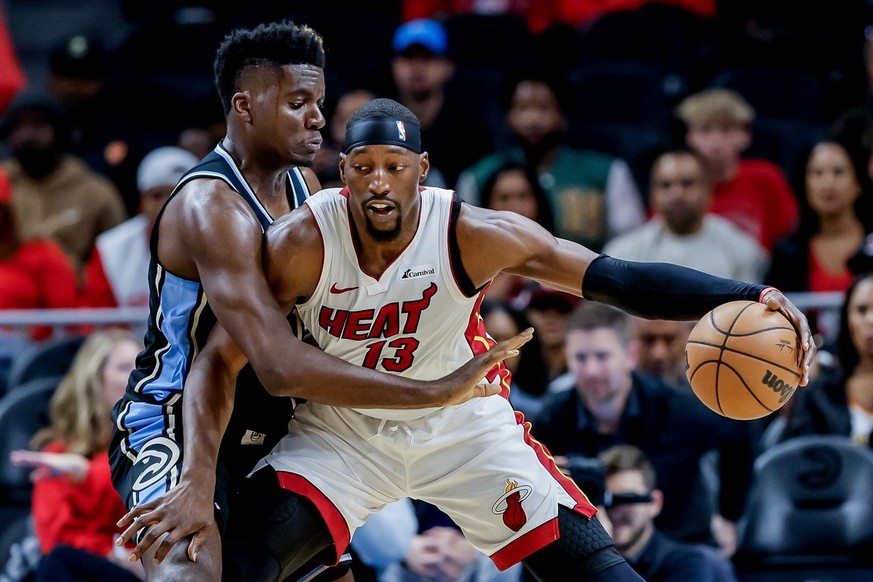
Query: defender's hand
point(186, 510)
point(776, 301)
point(466, 382)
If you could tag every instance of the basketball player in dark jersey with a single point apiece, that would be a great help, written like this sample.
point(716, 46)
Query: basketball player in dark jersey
point(206, 268)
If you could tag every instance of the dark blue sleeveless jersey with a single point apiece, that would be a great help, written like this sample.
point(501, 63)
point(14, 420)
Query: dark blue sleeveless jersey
point(180, 321)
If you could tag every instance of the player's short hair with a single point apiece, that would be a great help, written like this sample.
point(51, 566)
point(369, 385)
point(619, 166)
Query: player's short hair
point(267, 45)
point(619, 458)
point(715, 105)
point(590, 315)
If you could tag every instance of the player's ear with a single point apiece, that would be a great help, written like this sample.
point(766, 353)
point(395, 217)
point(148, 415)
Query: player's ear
point(424, 165)
point(342, 168)
point(241, 105)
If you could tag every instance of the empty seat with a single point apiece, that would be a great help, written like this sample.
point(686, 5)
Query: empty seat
point(809, 507)
point(50, 358)
point(620, 92)
point(23, 412)
point(777, 92)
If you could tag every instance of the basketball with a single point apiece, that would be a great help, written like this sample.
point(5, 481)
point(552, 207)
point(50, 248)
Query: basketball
point(741, 360)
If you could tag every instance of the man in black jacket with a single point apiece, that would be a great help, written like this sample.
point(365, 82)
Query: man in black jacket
point(613, 404)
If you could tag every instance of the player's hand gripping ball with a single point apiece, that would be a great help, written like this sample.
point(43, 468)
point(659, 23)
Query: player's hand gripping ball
point(742, 360)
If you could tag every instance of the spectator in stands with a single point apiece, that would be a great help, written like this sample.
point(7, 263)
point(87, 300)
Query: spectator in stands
point(326, 164)
point(547, 310)
point(78, 71)
point(662, 349)
point(611, 403)
point(421, 68)
point(837, 214)
point(633, 503)
point(35, 273)
point(681, 231)
point(56, 195)
point(529, 371)
point(515, 188)
point(753, 194)
point(117, 272)
point(74, 504)
point(840, 401)
point(593, 196)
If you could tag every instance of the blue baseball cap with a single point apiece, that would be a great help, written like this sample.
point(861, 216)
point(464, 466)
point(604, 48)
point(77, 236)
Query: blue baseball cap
point(423, 32)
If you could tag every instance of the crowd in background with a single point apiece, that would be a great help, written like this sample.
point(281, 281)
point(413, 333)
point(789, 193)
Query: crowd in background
point(734, 137)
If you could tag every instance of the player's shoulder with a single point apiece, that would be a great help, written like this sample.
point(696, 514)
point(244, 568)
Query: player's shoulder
point(209, 205)
point(299, 226)
point(208, 194)
point(327, 194)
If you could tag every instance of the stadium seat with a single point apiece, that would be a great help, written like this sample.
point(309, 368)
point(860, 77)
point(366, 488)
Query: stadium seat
point(809, 509)
point(656, 34)
point(23, 412)
point(619, 92)
point(51, 358)
point(496, 40)
point(19, 547)
point(777, 92)
point(786, 143)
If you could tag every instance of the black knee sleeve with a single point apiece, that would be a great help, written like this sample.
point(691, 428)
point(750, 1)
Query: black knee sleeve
point(271, 532)
point(583, 550)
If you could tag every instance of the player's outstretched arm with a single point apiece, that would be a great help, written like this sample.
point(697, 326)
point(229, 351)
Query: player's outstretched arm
point(651, 290)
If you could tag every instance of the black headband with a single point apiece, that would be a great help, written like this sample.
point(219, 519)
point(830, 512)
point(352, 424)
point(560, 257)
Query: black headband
point(383, 131)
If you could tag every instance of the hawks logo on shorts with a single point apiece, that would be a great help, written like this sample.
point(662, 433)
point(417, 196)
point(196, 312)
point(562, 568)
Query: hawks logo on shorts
point(159, 456)
point(509, 505)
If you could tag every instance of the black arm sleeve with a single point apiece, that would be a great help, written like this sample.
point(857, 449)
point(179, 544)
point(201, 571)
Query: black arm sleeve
point(661, 290)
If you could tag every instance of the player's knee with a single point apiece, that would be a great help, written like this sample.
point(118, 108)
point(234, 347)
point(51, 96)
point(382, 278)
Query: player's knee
point(177, 567)
point(273, 527)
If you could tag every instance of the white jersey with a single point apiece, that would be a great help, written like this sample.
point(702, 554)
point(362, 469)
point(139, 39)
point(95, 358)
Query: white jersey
point(378, 323)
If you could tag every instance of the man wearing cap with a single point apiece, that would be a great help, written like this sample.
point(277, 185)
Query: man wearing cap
point(56, 195)
point(421, 69)
point(390, 275)
point(117, 273)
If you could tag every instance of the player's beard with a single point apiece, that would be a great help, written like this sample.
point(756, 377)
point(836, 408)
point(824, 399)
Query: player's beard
point(384, 235)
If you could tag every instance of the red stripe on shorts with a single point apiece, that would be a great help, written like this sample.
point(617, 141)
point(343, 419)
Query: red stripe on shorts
point(583, 504)
point(522, 547)
point(336, 523)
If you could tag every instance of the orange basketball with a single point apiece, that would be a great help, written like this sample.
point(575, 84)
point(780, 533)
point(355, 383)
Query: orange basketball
point(741, 360)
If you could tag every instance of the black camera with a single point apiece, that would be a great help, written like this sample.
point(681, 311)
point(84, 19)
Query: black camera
point(589, 475)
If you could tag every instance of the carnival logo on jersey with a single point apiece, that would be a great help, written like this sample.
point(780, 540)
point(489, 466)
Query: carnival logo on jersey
point(159, 456)
point(509, 505)
point(419, 271)
point(401, 130)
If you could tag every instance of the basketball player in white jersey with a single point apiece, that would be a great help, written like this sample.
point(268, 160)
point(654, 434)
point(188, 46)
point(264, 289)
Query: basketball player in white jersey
point(206, 268)
point(390, 276)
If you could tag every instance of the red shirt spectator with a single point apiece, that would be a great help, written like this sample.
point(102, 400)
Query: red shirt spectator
point(759, 201)
point(79, 514)
point(34, 274)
